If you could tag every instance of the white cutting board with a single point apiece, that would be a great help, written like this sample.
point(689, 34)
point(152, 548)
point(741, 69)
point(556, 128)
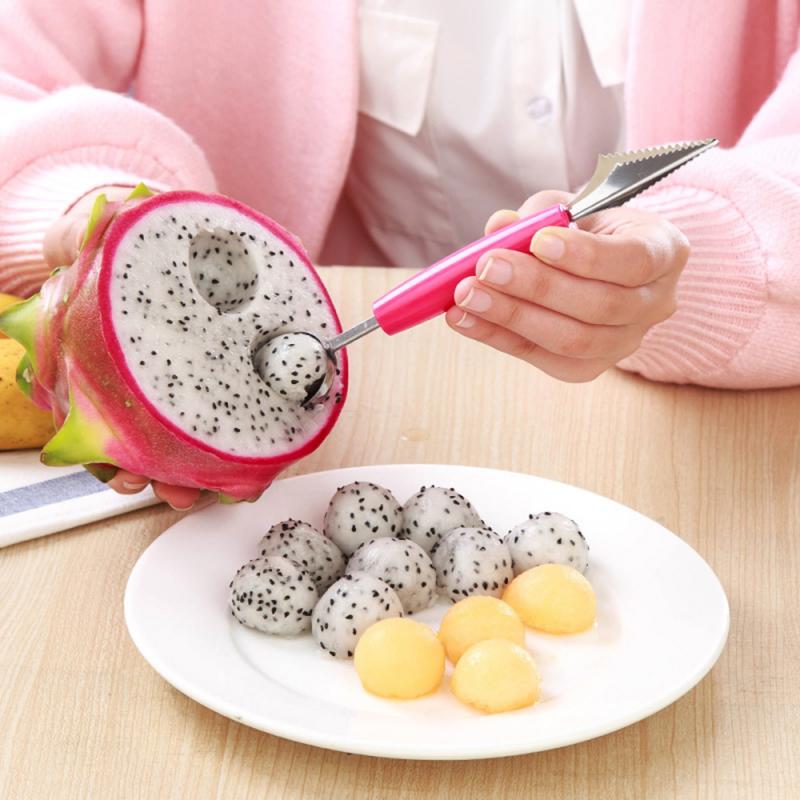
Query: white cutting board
point(36, 500)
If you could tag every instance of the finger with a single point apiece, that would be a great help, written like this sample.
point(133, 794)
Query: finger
point(115, 192)
point(634, 258)
point(126, 482)
point(500, 219)
point(526, 278)
point(565, 369)
point(542, 200)
point(181, 498)
point(63, 240)
point(555, 332)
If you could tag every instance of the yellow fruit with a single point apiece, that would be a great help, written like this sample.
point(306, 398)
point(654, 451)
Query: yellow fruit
point(7, 300)
point(477, 618)
point(496, 675)
point(22, 424)
point(553, 598)
point(399, 658)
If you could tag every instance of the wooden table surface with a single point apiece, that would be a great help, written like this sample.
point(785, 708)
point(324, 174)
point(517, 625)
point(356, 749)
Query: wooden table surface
point(83, 716)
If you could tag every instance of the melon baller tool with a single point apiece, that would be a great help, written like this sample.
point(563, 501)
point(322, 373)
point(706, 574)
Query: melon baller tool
point(617, 178)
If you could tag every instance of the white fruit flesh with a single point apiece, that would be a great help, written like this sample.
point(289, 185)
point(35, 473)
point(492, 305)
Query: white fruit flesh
point(311, 550)
point(292, 364)
point(196, 287)
point(471, 561)
point(403, 565)
point(359, 512)
point(547, 538)
point(273, 595)
point(348, 608)
point(434, 511)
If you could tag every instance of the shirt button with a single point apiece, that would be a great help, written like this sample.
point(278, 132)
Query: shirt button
point(539, 107)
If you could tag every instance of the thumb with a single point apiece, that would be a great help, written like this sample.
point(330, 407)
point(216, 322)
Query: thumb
point(501, 218)
point(63, 240)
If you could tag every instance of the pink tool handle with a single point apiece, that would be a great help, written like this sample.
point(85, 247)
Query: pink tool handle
point(430, 291)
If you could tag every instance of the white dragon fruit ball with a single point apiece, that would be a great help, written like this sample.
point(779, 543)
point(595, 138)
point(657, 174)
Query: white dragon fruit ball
point(273, 595)
point(348, 608)
point(292, 364)
point(311, 550)
point(403, 565)
point(359, 512)
point(547, 538)
point(471, 561)
point(434, 511)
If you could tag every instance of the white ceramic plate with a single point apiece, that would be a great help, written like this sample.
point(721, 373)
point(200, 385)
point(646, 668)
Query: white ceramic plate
point(662, 622)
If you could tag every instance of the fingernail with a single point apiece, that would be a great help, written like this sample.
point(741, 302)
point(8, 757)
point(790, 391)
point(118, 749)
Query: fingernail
point(497, 271)
point(476, 300)
point(548, 247)
point(180, 508)
point(466, 321)
point(131, 486)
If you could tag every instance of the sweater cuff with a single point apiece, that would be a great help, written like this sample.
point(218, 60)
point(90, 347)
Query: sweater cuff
point(59, 147)
point(32, 201)
point(721, 293)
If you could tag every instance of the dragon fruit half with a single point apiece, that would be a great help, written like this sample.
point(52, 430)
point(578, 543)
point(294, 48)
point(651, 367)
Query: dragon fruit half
point(144, 349)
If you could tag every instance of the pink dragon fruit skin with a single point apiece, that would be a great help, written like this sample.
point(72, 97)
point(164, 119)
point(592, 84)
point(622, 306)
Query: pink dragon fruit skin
point(79, 363)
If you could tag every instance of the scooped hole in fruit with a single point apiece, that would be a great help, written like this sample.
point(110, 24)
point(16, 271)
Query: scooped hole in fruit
point(223, 270)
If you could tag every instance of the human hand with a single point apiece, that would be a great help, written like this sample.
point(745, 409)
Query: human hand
point(63, 239)
point(585, 297)
point(181, 498)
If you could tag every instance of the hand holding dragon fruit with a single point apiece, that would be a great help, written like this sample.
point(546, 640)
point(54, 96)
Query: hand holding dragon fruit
point(144, 348)
point(63, 239)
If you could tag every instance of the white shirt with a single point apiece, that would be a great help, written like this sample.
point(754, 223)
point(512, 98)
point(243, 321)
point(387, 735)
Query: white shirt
point(467, 107)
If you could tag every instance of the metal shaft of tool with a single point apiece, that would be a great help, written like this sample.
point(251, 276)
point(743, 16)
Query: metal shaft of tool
point(351, 335)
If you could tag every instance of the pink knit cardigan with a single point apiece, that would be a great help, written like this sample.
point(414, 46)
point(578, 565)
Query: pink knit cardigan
point(258, 99)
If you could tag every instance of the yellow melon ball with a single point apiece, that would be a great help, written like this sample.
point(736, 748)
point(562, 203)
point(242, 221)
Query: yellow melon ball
point(553, 598)
point(496, 675)
point(399, 658)
point(474, 619)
